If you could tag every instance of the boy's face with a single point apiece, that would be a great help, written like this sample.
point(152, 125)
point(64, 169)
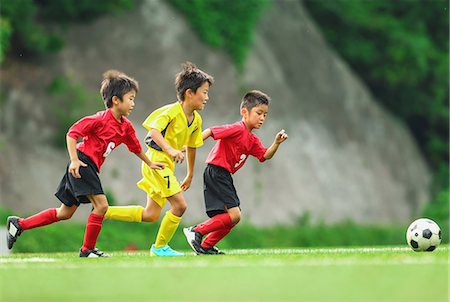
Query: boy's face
point(126, 106)
point(199, 99)
point(255, 118)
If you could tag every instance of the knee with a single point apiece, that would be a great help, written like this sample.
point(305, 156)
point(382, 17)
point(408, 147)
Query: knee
point(235, 217)
point(149, 217)
point(101, 209)
point(179, 208)
point(63, 215)
point(235, 220)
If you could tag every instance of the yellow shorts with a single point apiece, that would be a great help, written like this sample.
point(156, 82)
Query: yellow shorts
point(159, 184)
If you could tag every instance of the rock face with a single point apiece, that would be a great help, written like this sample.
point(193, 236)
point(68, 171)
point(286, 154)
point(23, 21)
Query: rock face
point(346, 158)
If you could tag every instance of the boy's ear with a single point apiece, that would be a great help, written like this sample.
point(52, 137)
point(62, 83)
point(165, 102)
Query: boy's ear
point(188, 93)
point(115, 100)
point(244, 111)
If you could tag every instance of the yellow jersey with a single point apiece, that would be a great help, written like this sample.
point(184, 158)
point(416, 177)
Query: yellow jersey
point(171, 121)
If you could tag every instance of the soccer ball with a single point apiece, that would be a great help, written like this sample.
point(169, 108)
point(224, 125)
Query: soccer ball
point(423, 235)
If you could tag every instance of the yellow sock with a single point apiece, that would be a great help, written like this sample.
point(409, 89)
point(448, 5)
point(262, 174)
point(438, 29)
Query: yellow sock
point(169, 225)
point(127, 213)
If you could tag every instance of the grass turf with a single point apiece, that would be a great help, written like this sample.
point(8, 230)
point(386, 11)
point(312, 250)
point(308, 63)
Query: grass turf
point(316, 274)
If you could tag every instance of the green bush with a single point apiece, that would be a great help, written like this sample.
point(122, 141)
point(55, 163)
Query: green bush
point(224, 24)
point(400, 50)
point(24, 25)
point(438, 210)
point(115, 235)
point(5, 36)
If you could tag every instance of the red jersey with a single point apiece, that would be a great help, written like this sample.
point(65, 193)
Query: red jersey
point(235, 144)
point(101, 133)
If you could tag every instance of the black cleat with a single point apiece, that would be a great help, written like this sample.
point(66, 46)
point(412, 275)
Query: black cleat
point(14, 230)
point(212, 251)
point(194, 239)
point(94, 253)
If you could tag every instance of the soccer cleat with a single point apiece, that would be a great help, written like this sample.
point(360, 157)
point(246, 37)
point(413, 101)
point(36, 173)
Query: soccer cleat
point(194, 239)
point(164, 251)
point(94, 253)
point(14, 230)
point(212, 251)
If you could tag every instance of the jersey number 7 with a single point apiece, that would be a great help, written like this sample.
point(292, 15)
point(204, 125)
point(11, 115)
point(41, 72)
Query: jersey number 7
point(168, 181)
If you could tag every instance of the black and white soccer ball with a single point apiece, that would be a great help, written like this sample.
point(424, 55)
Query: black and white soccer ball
point(423, 235)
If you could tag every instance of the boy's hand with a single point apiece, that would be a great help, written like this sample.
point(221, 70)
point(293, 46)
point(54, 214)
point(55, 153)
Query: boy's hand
point(176, 155)
point(186, 183)
point(74, 167)
point(281, 137)
point(157, 166)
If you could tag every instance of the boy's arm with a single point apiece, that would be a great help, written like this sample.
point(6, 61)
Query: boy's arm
point(206, 133)
point(279, 138)
point(75, 162)
point(176, 155)
point(191, 153)
point(145, 159)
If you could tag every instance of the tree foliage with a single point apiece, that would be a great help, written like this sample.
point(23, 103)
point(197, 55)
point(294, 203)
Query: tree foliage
point(224, 24)
point(400, 49)
point(24, 24)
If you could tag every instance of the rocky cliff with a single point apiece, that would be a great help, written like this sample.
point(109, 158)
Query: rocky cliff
point(346, 158)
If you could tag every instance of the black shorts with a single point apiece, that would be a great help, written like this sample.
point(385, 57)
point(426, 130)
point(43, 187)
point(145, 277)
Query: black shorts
point(74, 191)
point(219, 191)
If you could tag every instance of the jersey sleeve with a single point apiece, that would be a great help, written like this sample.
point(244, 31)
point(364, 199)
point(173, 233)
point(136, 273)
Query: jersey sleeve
point(258, 150)
point(224, 131)
point(196, 140)
point(84, 126)
point(131, 141)
point(159, 119)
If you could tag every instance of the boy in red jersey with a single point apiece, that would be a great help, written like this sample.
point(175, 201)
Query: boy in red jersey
point(101, 133)
point(235, 142)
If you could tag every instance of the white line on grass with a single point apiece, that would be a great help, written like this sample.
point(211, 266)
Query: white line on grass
point(318, 251)
point(24, 260)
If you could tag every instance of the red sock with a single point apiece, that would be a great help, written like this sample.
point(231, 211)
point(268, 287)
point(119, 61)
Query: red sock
point(214, 237)
point(215, 223)
point(40, 219)
point(93, 228)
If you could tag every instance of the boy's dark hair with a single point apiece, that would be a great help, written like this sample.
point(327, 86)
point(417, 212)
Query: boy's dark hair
point(190, 77)
point(116, 83)
point(254, 98)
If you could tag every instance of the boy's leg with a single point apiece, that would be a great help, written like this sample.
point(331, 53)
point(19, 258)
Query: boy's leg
point(214, 237)
point(40, 219)
point(168, 226)
point(125, 213)
point(171, 220)
point(16, 225)
point(94, 226)
point(216, 228)
point(218, 222)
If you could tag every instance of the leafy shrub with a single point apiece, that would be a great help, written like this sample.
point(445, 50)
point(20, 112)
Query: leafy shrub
point(400, 49)
point(116, 235)
point(25, 24)
point(225, 24)
point(438, 210)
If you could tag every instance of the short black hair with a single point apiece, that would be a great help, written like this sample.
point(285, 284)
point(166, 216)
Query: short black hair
point(190, 77)
point(254, 98)
point(116, 83)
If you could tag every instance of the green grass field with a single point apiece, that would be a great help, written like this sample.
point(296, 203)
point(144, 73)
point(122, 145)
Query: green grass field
point(317, 274)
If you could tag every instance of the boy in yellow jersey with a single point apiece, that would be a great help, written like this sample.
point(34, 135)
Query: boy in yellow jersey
point(170, 127)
